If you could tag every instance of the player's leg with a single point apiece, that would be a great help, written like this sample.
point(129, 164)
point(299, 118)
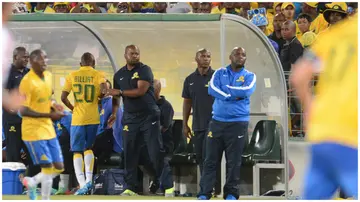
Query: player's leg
point(77, 141)
point(213, 150)
point(346, 169)
point(320, 182)
point(64, 141)
point(89, 157)
point(234, 139)
point(40, 155)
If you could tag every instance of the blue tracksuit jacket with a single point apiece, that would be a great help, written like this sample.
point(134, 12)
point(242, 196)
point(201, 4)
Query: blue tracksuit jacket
point(232, 91)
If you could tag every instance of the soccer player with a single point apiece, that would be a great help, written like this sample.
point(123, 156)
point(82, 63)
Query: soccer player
point(62, 129)
point(38, 132)
point(86, 84)
point(331, 116)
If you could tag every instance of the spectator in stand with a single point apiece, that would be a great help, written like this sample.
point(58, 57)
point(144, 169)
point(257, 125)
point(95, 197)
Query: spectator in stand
point(136, 7)
point(195, 6)
point(160, 7)
point(43, 7)
point(277, 7)
point(61, 7)
point(318, 23)
point(288, 9)
point(205, 7)
point(90, 7)
point(269, 16)
point(304, 22)
point(122, 7)
point(245, 7)
point(335, 12)
point(261, 22)
point(279, 19)
point(292, 49)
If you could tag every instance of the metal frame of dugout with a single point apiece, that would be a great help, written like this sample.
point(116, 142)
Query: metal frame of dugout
point(232, 31)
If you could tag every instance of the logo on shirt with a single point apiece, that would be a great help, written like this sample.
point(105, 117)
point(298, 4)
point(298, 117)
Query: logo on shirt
point(191, 84)
point(241, 78)
point(126, 128)
point(102, 112)
point(135, 76)
point(207, 85)
point(58, 125)
point(44, 157)
point(12, 129)
point(210, 134)
point(121, 78)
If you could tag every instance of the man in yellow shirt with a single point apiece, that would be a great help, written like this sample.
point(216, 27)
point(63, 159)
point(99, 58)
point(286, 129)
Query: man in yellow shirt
point(38, 132)
point(86, 84)
point(331, 117)
point(318, 21)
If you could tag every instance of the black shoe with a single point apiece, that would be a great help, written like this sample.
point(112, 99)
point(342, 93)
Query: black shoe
point(154, 186)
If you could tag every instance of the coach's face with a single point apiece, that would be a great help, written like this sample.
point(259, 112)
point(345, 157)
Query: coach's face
point(238, 57)
point(132, 56)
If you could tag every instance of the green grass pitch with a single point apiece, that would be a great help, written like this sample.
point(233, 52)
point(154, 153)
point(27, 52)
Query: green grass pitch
point(98, 197)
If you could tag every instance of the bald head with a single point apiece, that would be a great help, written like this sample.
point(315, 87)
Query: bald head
point(291, 25)
point(131, 47)
point(157, 88)
point(238, 57)
point(288, 30)
point(87, 59)
point(237, 49)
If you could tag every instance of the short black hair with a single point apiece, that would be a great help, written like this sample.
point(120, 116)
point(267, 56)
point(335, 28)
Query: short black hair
point(304, 15)
point(35, 54)
point(17, 50)
point(87, 59)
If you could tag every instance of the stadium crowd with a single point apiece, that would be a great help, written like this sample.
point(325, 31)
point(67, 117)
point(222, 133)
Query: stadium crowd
point(291, 28)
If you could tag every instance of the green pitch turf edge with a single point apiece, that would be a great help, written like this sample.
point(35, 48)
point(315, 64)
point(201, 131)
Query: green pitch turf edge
point(101, 197)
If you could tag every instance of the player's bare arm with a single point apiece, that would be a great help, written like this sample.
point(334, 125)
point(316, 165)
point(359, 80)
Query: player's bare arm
point(300, 78)
point(115, 107)
point(66, 101)
point(54, 115)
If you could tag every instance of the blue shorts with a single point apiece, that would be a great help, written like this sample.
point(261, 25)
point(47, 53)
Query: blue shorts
point(332, 166)
point(45, 151)
point(82, 137)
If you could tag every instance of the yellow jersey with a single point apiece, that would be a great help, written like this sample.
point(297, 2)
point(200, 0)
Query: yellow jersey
point(85, 84)
point(318, 24)
point(334, 111)
point(37, 92)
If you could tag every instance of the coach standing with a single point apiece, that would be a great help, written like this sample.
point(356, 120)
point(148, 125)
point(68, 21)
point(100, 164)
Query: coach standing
point(141, 118)
point(232, 87)
point(195, 94)
point(11, 121)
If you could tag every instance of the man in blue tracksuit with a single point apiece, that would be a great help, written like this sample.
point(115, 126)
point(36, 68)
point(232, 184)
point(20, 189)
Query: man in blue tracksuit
point(231, 87)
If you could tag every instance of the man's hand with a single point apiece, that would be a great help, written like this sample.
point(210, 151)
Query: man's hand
point(187, 131)
point(112, 92)
point(111, 120)
point(56, 115)
point(58, 107)
point(12, 100)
